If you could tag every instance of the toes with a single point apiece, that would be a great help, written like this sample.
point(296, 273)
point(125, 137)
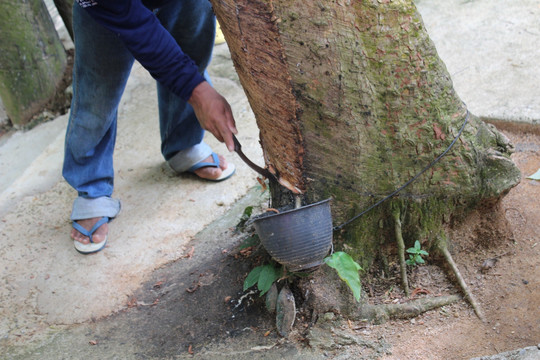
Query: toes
point(97, 238)
point(77, 236)
point(223, 163)
point(210, 173)
point(99, 235)
point(215, 172)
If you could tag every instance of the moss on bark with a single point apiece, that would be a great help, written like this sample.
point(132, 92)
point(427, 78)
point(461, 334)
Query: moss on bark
point(33, 59)
point(368, 105)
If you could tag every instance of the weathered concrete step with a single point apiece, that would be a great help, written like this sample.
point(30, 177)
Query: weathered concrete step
point(39, 148)
point(528, 353)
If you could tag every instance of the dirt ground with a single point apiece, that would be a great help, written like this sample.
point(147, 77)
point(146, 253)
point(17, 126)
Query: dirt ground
point(507, 286)
point(508, 291)
point(195, 308)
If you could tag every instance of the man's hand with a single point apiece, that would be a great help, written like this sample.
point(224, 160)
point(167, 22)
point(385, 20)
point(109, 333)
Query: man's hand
point(214, 113)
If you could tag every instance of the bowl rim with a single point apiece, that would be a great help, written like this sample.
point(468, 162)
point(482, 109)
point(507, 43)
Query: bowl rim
point(291, 210)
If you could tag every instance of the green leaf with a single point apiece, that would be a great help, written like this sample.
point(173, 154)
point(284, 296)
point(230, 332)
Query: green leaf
point(417, 245)
point(247, 212)
point(413, 260)
point(347, 270)
point(253, 277)
point(245, 217)
point(268, 275)
point(419, 260)
point(535, 176)
point(411, 250)
point(423, 252)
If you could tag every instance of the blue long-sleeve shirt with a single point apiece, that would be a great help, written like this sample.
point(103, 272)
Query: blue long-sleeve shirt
point(149, 42)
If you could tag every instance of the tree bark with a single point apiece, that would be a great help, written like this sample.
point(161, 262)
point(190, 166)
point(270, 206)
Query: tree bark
point(352, 101)
point(33, 59)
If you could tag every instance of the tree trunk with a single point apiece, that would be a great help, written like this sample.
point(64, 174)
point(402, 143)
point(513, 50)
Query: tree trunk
point(65, 9)
point(33, 59)
point(352, 101)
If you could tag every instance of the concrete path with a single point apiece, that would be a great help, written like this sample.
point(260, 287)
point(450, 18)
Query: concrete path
point(490, 48)
point(44, 280)
point(491, 51)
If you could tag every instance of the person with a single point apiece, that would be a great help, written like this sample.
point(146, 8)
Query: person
point(173, 40)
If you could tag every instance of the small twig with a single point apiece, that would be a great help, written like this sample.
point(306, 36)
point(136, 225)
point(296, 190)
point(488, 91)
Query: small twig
point(501, 255)
point(141, 303)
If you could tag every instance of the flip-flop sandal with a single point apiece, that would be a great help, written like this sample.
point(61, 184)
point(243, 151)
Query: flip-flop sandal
point(92, 247)
point(227, 173)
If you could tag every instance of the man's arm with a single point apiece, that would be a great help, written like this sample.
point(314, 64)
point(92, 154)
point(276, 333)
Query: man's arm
point(148, 41)
point(154, 47)
point(214, 113)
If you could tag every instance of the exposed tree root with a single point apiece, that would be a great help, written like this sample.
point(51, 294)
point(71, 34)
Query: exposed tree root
point(443, 249)
point(323, 296)
point(383, 312)
point(401, 251)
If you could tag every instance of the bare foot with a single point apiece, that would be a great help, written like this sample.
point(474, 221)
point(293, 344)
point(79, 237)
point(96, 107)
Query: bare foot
point(99, 235)
point(209, 172)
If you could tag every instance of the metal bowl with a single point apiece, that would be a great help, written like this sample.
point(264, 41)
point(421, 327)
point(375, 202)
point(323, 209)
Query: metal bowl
point(300, 238)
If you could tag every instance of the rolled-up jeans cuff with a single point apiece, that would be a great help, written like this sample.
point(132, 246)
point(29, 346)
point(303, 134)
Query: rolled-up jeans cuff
point(85, 208)
point(185, 159)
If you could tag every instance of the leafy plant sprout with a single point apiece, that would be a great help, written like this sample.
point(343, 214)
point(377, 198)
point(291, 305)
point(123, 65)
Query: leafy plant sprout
point(265, 275)
point(415, 254)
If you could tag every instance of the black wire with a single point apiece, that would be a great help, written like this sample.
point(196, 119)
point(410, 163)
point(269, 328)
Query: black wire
point(336, 228)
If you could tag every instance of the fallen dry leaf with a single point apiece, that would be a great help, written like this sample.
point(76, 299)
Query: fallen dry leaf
point(190, 253)
point(228, 298)
point(247, 251)
point(132, 302)
point(267, 333)
point(419, 291)
point(193, 287)
point(262, 182)
point(190, 349)
point(93, 342)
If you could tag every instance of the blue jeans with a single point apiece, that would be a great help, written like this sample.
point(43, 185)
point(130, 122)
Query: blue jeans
point(101, 70)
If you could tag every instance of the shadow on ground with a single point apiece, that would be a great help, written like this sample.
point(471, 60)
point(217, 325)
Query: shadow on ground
point(188, 307)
